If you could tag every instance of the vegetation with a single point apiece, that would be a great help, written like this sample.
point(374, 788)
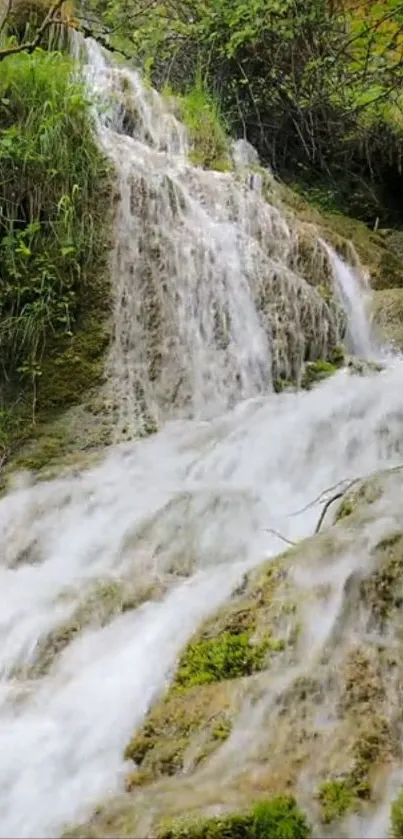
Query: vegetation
point(225, 657)
point(336, 798)
point(396, 817)
point(54, 219)
point(316, 371)
point(314, 84)
point(201, 114)
point(278, 818)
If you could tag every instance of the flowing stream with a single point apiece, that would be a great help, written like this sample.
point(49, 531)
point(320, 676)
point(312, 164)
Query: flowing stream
point(175, 518)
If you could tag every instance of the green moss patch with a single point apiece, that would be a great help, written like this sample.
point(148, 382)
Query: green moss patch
point(196, 723)
point(336, 798)
point(396, 818)
point(278, 818)
point(226, 657)
point(317, 371)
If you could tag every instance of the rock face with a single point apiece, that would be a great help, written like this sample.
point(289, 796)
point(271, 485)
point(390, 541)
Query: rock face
point(295, 686)
point(388, 315)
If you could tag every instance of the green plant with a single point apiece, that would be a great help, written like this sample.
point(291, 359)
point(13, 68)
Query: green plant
point(276, 818)
point(226, 657)
point(396, 818)
point(279, 818)
point(201, 114)
point(316, 371)
point(54, 190)
point(336, 798)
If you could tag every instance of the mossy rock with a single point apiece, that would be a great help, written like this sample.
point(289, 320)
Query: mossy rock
point(105, 600)
point(196, 714)
point(362, 367)
point(278, 818)
point(396, 818)
point(387, 314)
point(181, 731)
point(316, 371)
point(336, 798)
point(377, 254)
point(383, 589)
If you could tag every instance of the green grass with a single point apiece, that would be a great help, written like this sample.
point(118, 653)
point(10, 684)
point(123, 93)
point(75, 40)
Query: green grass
point(201, 114)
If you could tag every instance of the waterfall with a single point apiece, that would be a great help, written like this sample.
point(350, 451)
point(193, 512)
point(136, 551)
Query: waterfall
point(353, 291)
point(211, 301)
point(105, 576)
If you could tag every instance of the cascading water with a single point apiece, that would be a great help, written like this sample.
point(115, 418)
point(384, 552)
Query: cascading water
point(106, 575)
point(211, 301)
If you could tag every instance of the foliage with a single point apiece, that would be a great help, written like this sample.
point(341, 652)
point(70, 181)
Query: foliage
point(336, 798)
point(201, 114)
point(226, 657)
point(277, 818)
point(396, 817)
point(54, 189)
point(316, 371)
point(315, 85)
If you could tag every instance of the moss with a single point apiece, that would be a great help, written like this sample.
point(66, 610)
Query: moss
point(196, 714)
point(396, 818)
point(226, 657)
point(387, 309)
point(337, 356)
point(69, 241)
point(361, 496)
point(336, 798)
point(362, 367)
point(277, 818)
point(221, 730)
point(280, 384)
point(383, 590)
point(377, 253)
point(345, 510)
point(316, 371)
point(195, 723)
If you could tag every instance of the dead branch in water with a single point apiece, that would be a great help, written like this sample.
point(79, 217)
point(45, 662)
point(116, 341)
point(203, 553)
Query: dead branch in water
point(333, 498)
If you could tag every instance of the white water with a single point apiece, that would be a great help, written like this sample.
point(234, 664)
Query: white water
point(354, 296)
point(192, 506)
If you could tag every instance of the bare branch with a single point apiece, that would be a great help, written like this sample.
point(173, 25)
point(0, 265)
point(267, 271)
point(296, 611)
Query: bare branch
point(331, 500)
point(279, 535)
